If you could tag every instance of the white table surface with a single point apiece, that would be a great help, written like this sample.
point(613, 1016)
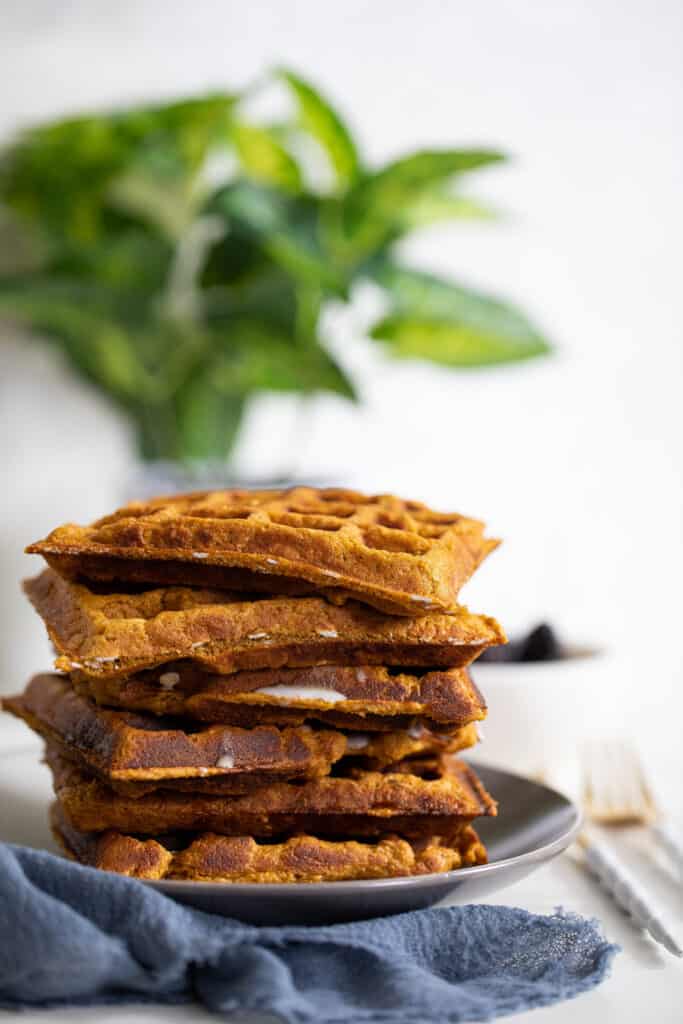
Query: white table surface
point(646, 983)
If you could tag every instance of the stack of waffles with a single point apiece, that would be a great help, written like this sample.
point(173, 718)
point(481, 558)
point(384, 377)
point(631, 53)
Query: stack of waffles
point(262, 686)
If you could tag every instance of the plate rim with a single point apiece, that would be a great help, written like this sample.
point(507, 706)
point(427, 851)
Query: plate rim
point(540, 853)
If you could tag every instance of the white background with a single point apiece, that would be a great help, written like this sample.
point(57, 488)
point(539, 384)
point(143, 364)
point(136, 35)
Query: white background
point(574, 460)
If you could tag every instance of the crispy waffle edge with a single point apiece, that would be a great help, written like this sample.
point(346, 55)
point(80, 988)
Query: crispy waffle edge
point(373, 697)
point(408, 800)
point(399, 556)
point(242, 859)
point(114, 635)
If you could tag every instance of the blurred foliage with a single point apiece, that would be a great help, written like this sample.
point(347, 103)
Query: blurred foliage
point(181, 256)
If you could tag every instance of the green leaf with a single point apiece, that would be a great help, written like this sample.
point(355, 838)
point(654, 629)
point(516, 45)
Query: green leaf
point(131, 263)
point(407, 178)
point(430, 207)
point(452, 344)
point(164, 205)
point(111, 339)
point(373, 207)
point(438, 320)
point(235, 261)
point(257, 210)
point(309, 304)
point(59, 175)
point(208, 417)
point(265, 293)
point(175, 137)
point(325, 125)
point(286, 229)
point(256, 356)
point(264, 158)
point(100, 348)
point(267, 329)
point(22, 248)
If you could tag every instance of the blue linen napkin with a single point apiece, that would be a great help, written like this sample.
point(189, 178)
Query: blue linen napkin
point(70, 934)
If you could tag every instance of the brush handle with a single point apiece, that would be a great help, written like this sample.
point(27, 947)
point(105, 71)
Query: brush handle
point(671, 843)
point(627, 892)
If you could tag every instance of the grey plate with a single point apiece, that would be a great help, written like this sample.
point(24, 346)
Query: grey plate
point(534, 824)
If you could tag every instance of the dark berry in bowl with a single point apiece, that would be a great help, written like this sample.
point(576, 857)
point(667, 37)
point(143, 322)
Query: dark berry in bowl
point(540, 644)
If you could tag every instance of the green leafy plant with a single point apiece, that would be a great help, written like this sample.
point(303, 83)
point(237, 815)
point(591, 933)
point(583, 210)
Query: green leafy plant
point(181, 256)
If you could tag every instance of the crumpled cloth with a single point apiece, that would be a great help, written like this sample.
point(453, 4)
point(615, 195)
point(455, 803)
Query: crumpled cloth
point(73, 935)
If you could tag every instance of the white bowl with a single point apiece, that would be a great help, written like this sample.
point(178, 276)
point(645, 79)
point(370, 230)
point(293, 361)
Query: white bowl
point(540, 712)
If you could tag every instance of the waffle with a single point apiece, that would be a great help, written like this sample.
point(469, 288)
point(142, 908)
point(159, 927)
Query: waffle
point(398, 556)
point(127, 746)
point(416, 798)
point(367, 697)
point(303, 858)
point(123, 747)
point(113, 635)
point(377, 752)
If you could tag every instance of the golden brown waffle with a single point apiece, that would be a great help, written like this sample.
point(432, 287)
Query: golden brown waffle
point(113, 635)
point(399, 556)
point(415, 798)
point(372, 751)
point(303, 858)
point(128, 748)
point(367, 697)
